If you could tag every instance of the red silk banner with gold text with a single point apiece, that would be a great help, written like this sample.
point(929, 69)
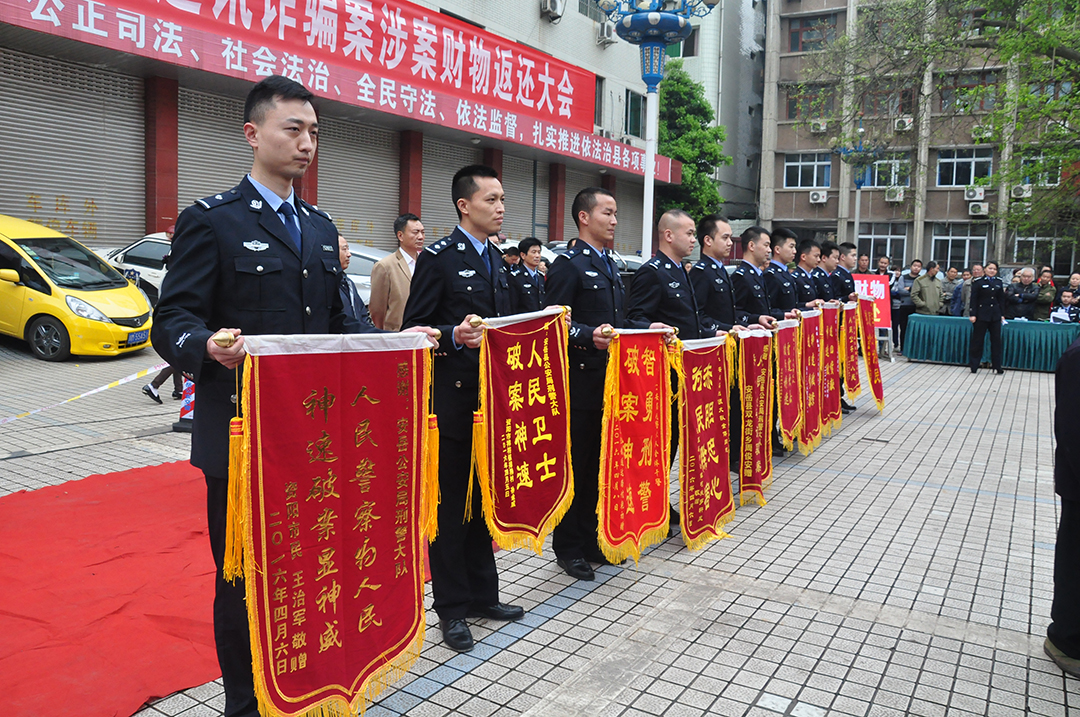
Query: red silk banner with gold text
point(830, 368)
point(756, 392)
point(705, 500)
point(521, 439)
point(868, 337)
point(336, 434)
point(849, 345)
point(789, 394)
point(635, 445)
point(810, 362)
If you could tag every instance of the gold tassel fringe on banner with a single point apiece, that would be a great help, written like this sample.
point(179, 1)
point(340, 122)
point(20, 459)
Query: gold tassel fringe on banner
point(237, 510)
point(429, 493)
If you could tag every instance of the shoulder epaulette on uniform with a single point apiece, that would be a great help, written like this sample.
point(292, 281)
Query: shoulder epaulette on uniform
point(315, 209)
point(654, 262)
point(496, 247)
point(515, 272)
point(439, 245)
point(216, 200)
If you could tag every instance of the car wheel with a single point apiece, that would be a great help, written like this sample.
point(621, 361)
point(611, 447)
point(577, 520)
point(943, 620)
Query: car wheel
point(49, 339)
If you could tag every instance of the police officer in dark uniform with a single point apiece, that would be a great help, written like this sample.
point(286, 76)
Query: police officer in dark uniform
point(987, 300)
point(713, 290)
point(457, 278)
point(830, 255)
point(351, 300)
point(748, 281)
point(255, 259)
point(525, 280)
point(843, 282)
point(779, 282)
point(806, 290)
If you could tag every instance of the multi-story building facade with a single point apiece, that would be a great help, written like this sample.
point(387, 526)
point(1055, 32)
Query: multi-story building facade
point(129, 112)
point(935, 192)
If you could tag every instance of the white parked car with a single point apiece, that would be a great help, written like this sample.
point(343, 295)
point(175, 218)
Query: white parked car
point(144, 262)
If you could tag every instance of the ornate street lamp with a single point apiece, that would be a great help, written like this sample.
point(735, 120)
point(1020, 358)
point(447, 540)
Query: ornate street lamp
point(652, 25)
point(860, 156)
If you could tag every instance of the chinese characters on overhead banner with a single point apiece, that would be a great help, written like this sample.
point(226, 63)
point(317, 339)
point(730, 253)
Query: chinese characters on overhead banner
point(868, 337)
point(849, 343)
point(756, 392)
point(876, 286)
point(386, 55)
point(789, 398)
point(813, 375)
point(705, 500)
point(635, 445)
point(333, 547)
point(521, 438)
point(831, 415)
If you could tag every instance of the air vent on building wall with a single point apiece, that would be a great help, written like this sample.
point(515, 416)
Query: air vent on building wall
point(903, 124)
point(817, 197)
point(819, 126)
point(605, 34)
point(979, 132)
point(552, 9)
point(978, 209)
point(894, 194)
point(974, 194)
point(1021, 191)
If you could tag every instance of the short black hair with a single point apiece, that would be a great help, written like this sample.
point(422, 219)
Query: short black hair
point(512, 251)
point(989, 263)
point(403, 221)
point(267, 92)
point(528, 243)
point(751, 235)
point(707, 226)
point(828, 247)
point(465, 186)
point(784, 233)
point(1047, 270)
point(806, 246)
point(846, 248)
point(916, 261)
point(585, 201)
point(930, 265)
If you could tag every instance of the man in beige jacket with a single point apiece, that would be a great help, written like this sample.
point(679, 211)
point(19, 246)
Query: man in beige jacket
point(392, 275)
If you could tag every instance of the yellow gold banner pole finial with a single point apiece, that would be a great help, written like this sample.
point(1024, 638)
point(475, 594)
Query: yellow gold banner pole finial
point(223, 338)
point(475, 321)
point(607, 332)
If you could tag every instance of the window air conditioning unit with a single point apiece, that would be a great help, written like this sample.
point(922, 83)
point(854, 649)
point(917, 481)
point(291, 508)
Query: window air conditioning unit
point(903, 124)
point(605, 34)
point(894, 194)
point(978, 209)
point(605, 133)
point(632, 141)
point(974, 194)
point(979, 132)
point(819, 197)
point(1021, 191)
point(552, 9)
point(819, 126)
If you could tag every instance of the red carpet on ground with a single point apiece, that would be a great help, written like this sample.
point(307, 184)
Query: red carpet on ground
point(106, 592)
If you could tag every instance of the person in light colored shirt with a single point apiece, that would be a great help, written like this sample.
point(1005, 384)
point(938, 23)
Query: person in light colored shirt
point(391, 277)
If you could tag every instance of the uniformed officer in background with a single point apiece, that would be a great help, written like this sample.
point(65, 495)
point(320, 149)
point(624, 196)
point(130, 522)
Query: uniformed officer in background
point(525, 280)
point(842, 280)
point(586, 280)
point(987, 300)
point(778, 280)
point(350, 298)
point(748, 281)
point(255, 259)
point(830, 255)
point(806, 293)
point(457, 278)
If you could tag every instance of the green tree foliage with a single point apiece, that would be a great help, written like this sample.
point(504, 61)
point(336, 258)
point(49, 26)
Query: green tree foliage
point(686, 134)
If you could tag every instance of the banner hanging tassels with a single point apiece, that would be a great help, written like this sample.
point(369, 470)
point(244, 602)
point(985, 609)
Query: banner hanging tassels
point(337, 502)
point(849, 344)
point(756, 386)
point(868, 337)
point(705, 500)
point(810, 365)
point(789, 383)
point(237, 510)
point(429, 505)
point(521, 436)
point(831, 415)
point(635, 445)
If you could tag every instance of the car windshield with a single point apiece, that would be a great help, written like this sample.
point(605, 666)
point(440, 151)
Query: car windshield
point(69, 265)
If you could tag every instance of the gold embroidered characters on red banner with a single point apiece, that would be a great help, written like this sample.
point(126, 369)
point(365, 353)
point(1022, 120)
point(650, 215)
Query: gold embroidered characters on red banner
point(830, 368)
point(635, 445)
point(868, 337)
point(705, 500)
point(333, 501)
point(810, 360)
point(789, 381)
point(756, 389)
point(521, 434)
point(849, 344)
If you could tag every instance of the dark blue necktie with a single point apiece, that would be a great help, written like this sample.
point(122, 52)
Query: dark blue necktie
point(486, 256)
point(606, 261)
point(289, 214)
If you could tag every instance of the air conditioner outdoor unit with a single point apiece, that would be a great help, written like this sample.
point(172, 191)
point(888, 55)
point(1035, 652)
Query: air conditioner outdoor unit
point(894, 194)
point(974, 194)
point(979, 132)
point(605, 133)
point(632, 141)
point(978, 209)
point(903, 124)
point(819, 197)
point(1021, 191)
point(551, 9)
point(819, 126)
point(605, 34)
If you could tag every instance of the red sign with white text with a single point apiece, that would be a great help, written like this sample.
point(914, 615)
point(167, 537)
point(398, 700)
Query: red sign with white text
point(387, 55)
point(876, 286)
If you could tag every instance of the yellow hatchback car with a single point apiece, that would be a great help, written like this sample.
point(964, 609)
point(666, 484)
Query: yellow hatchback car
point(63, 299)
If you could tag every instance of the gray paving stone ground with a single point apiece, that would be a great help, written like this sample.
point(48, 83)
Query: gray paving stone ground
point(905, 568)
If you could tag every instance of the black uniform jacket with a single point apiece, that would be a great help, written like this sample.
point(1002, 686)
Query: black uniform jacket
point(750, 294)
point(526, 292)
point(781, 287)
point(661, 291)
point(987, 298)
point(451, 282)
point(1066, 427)
point(716, 297)
point(805, 287)
point(233, 265)
point(596, 295)
point(843, 283)
point(823, 283)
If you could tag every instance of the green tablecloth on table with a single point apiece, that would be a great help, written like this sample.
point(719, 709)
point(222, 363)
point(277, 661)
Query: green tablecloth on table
point(1034, 345)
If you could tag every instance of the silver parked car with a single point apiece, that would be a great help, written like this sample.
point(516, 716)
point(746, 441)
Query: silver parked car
point(143, 262)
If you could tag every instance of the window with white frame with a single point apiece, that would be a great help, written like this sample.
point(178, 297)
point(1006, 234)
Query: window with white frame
point(884, 239)
point(1038, 251)
point(960, 245)
point(808, 170)
point(962, 167)
point(893, 171)
point(1040, 169)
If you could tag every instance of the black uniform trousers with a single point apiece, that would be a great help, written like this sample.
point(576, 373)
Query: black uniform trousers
point(231, 636)
point(576, 534)
point(1064, 629)
point(978, 334)
point(900, 322)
